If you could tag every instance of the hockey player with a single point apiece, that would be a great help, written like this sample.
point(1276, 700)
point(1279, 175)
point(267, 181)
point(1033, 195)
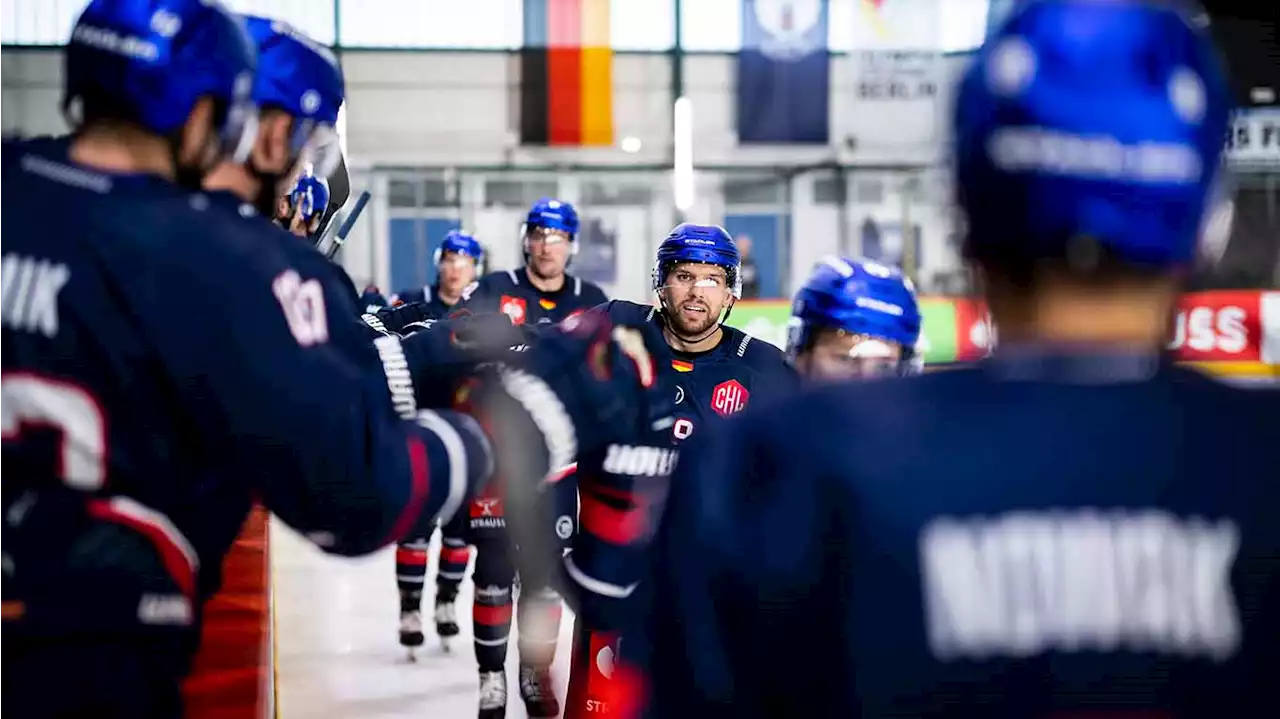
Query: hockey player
point(298, 88)
point(1074, 527)
point(854, 319)
point(542, 292)
point(301, 212)
point(291, 126)
point(135, 440)
point(307, 202)
point(719, 371)
point(456, 260)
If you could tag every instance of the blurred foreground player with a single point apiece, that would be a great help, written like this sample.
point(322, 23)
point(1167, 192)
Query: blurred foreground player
point(456, 259)
point(1074, 527)
point(540, 294)
point(135, 441)
point(718, 371)
point(854, 319)
point(298, 89)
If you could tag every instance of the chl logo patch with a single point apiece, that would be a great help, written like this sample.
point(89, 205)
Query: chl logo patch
point(729, 397)
point(514, 307)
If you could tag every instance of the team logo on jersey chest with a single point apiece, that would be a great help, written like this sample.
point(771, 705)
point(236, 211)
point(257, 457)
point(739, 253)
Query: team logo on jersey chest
point(729, 397)
point(514, 307)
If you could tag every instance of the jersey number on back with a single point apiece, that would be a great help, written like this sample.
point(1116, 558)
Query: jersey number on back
point(303, 305)
point(31, 401)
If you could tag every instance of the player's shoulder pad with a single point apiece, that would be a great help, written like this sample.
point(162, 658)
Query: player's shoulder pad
point(593, 292)
point(757, 354)
point(487, 284)
point(626, 312)
point(237, 240)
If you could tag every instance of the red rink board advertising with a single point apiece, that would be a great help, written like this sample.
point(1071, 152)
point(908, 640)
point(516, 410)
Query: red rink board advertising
point(1228, 326)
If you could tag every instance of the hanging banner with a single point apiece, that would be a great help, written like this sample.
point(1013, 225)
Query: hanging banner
point(1254, 139)
point(784, 72)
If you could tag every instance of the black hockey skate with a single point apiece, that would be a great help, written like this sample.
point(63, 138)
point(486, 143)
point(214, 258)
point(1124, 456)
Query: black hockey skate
point(536, 691)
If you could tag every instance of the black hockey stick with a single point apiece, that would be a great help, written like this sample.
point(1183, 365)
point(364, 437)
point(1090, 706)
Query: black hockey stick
point(347, 224)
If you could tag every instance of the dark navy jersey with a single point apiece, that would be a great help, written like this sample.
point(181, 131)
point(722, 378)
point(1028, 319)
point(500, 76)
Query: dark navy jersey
point(512, 293)
point(167, 361)
point(621, 494)
point(372, 300)
point(717, 383)
point(414, 310)
point(434, 305)
point(1038, 536)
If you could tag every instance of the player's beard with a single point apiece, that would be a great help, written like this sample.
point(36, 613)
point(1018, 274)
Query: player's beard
point(692, 327)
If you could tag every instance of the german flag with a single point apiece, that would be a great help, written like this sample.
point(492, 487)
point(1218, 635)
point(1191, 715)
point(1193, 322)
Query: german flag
point(566, 73)
point(681, 365)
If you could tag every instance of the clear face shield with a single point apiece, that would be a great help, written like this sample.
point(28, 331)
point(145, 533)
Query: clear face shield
point(240, 131)
point(456, 270)
point(317, 145)
point(1219, 217)
point(456, 261)
point(687, 281)
point(837, 355)
point(543, 236)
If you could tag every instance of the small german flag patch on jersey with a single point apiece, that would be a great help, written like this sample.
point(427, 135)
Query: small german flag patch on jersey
point(546, 304)
point(681, 365)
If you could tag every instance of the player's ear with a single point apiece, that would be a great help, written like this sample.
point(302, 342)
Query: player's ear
point(271, 151)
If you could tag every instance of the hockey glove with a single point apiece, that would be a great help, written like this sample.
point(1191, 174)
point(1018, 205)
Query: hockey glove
point(579, 387)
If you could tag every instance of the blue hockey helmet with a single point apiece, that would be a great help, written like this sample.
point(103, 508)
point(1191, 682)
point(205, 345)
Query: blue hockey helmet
point(1089, 127)
point(862, 298)
point(149, 61)
point(553, 215)
point(310, 197)
point(460, 243)
point(301, 77)
point(707, 244)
